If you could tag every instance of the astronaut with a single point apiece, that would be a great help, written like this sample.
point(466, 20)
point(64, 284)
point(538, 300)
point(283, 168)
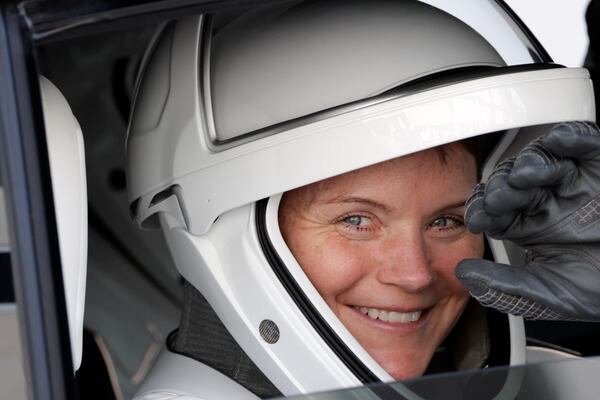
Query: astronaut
point(309, 164)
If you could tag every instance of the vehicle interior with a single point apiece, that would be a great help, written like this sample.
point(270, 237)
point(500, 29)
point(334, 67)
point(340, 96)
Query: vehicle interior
point(91, 52)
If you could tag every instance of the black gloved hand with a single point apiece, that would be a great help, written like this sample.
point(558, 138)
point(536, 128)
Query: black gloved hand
point(546, 200)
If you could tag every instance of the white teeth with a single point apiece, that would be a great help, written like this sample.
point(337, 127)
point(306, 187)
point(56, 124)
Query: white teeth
point(384, 315)
point(390, 316)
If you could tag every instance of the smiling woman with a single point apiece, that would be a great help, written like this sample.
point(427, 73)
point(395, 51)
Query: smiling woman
point(308, 163)
point(381, 244)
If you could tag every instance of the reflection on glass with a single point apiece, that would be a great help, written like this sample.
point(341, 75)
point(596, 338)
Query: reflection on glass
point(553, 380)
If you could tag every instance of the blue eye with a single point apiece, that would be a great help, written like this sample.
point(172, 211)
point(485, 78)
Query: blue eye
point(358, 226)
point(446, 222)
point(356, 220)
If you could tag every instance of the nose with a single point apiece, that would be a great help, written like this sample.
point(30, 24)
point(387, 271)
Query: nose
point(406, 263)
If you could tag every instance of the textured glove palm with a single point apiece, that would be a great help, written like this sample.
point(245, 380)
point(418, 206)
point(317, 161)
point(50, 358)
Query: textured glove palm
point(546, 200)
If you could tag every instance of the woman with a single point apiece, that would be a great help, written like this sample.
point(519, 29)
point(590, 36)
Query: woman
point(381, 244)
point(308, 163)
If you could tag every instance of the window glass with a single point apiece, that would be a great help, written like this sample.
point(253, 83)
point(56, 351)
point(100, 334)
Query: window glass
point(558, 379)
point(12, 381)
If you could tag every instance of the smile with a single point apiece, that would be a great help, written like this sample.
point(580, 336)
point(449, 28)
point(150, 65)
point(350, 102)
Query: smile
point(390, 316)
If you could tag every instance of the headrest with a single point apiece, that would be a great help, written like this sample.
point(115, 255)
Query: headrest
point(67, 169)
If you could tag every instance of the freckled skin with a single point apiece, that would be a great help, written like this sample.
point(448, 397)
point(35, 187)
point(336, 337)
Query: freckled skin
point(389, 236)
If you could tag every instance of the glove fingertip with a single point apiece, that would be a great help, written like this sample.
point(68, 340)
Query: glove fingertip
point(465, 268)
point(475, 215)
point(528, 176)
point(467, 273)
point(573, 139)
point(502, 200)
point(477, 221)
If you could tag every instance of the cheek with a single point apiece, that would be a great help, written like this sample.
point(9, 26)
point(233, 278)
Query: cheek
point(447, 256)
point(331, 266)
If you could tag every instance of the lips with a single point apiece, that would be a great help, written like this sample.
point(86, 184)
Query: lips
point(390, 316)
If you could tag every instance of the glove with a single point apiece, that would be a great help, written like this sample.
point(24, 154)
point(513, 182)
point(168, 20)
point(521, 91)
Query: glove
point(546, 200)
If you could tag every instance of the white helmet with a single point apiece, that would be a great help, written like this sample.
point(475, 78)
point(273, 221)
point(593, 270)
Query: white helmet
point(231, 114)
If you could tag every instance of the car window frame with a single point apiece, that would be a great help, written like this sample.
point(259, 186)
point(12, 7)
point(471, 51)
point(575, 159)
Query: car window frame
point(35, 256)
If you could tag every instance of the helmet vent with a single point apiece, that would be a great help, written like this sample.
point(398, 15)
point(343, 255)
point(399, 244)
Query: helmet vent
point(269, 331)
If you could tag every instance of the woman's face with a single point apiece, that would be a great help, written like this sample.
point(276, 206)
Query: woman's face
point(380, 244)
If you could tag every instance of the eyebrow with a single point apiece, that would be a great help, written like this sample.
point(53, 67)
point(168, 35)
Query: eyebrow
point(372, 203)
point(455, 205)
point(360, 200)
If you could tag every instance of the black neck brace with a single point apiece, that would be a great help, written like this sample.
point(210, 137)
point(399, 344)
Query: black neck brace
point(202, 336)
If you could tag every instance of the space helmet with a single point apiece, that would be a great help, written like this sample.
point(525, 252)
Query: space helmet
point(234, 110)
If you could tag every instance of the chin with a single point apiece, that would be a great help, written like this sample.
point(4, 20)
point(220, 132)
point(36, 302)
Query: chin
point(405, 367)
point(404, 374)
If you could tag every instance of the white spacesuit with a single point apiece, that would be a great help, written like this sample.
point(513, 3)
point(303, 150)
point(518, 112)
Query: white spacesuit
point(234, 110)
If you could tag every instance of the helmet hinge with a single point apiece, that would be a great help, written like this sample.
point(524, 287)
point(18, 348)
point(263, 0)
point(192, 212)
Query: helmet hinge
point(167, 202)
